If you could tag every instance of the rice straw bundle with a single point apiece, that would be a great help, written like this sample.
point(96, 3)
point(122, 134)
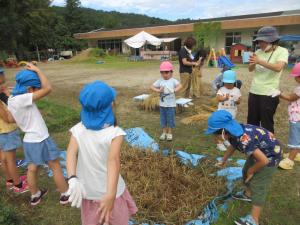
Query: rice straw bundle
point(151, 103)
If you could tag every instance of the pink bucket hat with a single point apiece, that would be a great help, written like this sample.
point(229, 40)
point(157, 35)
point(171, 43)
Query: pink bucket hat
point(296, 71)
point(166, 66)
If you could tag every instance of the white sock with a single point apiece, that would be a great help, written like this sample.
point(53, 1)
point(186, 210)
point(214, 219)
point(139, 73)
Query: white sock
point(64, 194)
point(38, 194)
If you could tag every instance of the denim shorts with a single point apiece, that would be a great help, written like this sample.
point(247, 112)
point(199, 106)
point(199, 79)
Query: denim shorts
point(41, 152)
point(167, 117)
point(10, 141)
point(294, 135)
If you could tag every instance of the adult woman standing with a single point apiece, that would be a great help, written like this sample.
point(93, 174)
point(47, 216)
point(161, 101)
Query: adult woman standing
point(267, 63)
point(186, 65)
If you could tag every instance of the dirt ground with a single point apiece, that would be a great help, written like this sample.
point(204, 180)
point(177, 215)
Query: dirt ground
point(67, 79)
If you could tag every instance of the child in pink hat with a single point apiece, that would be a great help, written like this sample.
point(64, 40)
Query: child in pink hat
point(294, 119)
point(167, 86)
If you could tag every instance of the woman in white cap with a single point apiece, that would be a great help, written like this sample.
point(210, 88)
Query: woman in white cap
point(267, 63)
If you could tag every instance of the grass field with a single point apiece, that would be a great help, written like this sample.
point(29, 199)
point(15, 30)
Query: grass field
point(61, 111)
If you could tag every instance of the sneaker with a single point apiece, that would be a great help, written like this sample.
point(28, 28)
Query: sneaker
point(10, 185)
point(22, 189)
point(64, 199)
point(163, 136)
point(286, 164)
point(247, 220)
point(241, 196)
point(221, 147)
point(35, 201)
point(169, 137)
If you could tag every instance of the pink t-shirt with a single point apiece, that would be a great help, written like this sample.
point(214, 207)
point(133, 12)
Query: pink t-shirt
point(294, 107)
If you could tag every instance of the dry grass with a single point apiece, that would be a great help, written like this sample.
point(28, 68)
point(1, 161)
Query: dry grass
point(151, 103)
point(164, 190)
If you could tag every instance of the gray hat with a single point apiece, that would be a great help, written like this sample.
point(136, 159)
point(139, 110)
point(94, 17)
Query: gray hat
point(267, 34)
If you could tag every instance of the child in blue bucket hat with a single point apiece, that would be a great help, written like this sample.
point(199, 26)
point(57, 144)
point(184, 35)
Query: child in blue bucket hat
point(229, 97)
point(39, 147)
point(93, 160)
point(264, 154)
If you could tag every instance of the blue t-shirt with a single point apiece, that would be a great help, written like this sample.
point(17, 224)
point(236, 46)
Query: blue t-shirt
point(258, 138)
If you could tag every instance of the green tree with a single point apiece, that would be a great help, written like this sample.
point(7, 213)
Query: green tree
point(207, 33)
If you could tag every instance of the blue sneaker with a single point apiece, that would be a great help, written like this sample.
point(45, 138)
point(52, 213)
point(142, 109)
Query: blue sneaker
point(247, 220)
point(241, 196)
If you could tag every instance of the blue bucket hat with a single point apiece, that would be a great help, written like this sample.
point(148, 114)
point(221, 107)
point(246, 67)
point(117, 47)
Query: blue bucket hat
point(229, 76)
point(96, 100)
point(222, 119)
point(24, 80)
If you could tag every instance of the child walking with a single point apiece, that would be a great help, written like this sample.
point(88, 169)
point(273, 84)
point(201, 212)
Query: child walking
point(228, 97)
point(9, 142)
point(93, 161)
point(294, 118)
point(167, 86)
point(39, 148)
point(264, 154)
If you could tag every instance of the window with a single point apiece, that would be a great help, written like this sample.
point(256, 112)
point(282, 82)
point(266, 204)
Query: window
point(232, 38)
point(112, 45)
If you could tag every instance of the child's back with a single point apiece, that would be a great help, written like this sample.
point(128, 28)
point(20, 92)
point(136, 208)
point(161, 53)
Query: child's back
point(93, 152)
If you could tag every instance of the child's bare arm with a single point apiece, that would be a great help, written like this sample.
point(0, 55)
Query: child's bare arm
point(153, 88)
point(5, 114)
point(230, 151)
point(260, 161)
point(178, 87)
point(289, 97)
point(113, 171)
point(46, 86)
point(72, 156)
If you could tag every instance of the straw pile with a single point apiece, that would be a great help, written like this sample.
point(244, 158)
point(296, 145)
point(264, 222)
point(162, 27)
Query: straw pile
point(203, 113)
point(151, 103)
point(164, 190)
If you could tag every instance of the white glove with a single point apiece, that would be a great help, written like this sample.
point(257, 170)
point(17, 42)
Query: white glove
point(274, 93)
point(76, 192)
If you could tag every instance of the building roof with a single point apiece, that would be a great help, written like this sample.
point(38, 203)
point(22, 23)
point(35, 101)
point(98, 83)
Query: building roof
point(291, 17)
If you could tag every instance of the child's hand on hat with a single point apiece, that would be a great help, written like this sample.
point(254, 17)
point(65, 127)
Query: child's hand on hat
point(30, 66)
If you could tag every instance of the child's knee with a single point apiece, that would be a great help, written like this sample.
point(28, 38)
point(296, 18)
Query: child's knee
point(32, 168)
point(54, 164)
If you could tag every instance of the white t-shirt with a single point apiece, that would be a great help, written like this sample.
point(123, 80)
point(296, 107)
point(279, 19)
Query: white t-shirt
point(28, 118)
point(167, 98)
point(94, 147)
point(229, 105)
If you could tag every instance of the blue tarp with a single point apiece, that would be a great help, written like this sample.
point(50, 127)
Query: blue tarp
point(138, 138)
point(187, 158)
point(290, 38)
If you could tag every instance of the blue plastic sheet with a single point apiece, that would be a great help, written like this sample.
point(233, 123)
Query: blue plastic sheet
point(138, 138)
point(187, 158)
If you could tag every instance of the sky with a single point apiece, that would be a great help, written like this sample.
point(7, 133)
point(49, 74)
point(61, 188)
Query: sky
point(193, 9)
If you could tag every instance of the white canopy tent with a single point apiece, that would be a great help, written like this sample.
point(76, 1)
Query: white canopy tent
point(168, 40)
point(141, 39)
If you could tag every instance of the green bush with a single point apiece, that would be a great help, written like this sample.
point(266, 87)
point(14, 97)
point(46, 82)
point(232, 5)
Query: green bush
point(3, 56)
point(98, 52)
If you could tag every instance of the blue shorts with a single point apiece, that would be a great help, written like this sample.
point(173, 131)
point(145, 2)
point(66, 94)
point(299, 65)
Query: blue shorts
point(294, 135)
point(42, 152)
point(10, 141)
point(167, 117)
